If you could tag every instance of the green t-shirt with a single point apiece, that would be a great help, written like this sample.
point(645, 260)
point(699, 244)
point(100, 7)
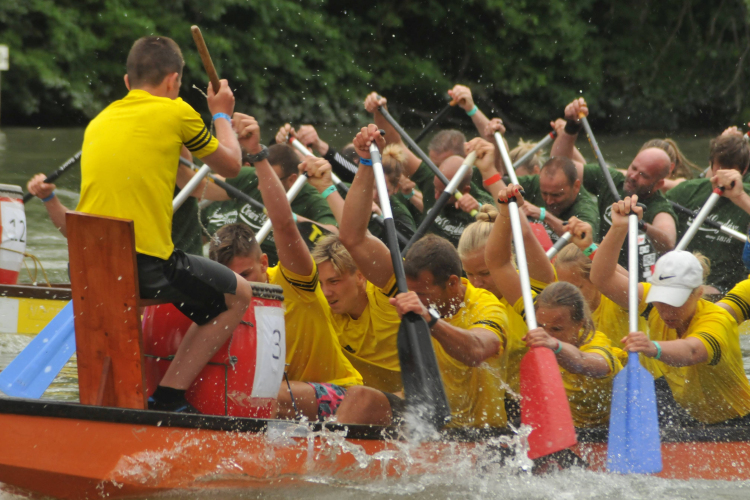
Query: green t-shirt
point(595, 181)
point(186, 232)
point(724, 251)
point(308, 203)
point(584, 207)
point(451, 222)
point(416, 215)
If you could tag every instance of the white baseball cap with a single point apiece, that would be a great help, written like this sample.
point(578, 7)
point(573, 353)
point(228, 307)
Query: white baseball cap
point(676, 275)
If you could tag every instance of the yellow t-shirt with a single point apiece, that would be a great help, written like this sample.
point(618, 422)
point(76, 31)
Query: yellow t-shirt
point(713, 391)
point(369, 341)
point(738, 299)
point(590, 398)
point(475, 397)
point(313, 353)
point(129, 164)
point(612, 320)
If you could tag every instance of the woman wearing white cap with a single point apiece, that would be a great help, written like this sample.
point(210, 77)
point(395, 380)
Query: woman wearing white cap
point(695, 343)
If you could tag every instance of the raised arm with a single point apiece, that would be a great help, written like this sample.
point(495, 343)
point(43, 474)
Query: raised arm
point(565, 144)
point(485, 162)
point(227, 159)
point(290, 246)
point(319, 176)
point(540, 268)
point(731, 181)
point(372, 101)
point(371, 255)
point(462, 95)
point(604, 273)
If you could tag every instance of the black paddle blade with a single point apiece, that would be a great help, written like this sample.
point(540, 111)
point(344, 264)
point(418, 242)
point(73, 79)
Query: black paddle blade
point(423, 385)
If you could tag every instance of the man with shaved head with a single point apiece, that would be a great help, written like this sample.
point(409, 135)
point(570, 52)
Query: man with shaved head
point(556, 195)
point(644, 177)
point(445, 152)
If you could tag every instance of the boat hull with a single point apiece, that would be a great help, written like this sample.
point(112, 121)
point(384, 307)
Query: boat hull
point(27, 309)
point(72, 451)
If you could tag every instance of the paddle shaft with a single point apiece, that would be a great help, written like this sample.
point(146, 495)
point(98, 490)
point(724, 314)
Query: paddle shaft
point(523, 267)
point(208, 64)
point(633, 272)
point(565, 238)
point(57, 173)
point(442, 200)
point(184, 193)
point(539, 145)
point(231, 190)
point(435, 120)
point(265, 229)
point(599, 157)
point(698, 221)
point(711, 223)
point(413, 145)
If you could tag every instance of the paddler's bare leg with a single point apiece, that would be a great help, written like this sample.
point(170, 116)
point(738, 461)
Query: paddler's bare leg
point(364, 405)
point(202, 342)
point(304, 398)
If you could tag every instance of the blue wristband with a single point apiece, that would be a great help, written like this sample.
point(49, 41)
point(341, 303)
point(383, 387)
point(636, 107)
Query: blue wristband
point(328, 192)
point(472, 111)
point(222, 115)
point(658, 350)
point(365, 161)
point(542, 214)
point(48, 198)
point(559, 348)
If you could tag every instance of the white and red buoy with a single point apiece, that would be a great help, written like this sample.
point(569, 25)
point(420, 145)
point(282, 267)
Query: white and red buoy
point(13, 229)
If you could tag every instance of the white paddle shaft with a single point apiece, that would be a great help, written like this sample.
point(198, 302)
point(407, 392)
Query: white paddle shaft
point(377, 167)
point(523, 267)
point(698, 221)
point(633, 272)
point(184, 193)
point(290, 196)
point(559, 244)
point(539, 145)
point(460, 174)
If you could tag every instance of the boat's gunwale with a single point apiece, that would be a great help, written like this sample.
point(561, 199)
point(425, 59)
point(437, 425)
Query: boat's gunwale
point(54, 292)
point(68, 410)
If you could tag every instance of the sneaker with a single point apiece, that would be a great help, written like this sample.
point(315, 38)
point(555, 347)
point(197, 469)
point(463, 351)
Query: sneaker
point(181, 406)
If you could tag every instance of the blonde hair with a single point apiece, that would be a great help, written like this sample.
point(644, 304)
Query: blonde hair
point(571, 255)
point(705, 263)
point(568, 296)
point(682, 166)
point(330, 249)
point(523, 148)
point(393, 159)
point(475, 235)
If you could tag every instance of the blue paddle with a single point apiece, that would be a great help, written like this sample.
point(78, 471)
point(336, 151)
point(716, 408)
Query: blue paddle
point(34, 369)
point(634, 446)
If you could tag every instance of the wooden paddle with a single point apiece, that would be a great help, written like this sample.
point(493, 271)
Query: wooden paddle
point(423, 384)
point(633, 445)
point(698, 221)
point(435, 120)
point(447, 194)
point(57, 173)
point(422, 156)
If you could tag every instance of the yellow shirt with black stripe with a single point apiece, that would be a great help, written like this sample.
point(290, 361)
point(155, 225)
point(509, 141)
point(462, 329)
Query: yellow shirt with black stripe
point(717, 389)
point(369, 341)
point(738, 299)
point(612, 320)
point(590, 398)
point(313, 353)
point(129, 164)
point(476, 394)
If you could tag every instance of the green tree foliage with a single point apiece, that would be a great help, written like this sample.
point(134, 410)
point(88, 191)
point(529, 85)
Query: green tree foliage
point(642, 64)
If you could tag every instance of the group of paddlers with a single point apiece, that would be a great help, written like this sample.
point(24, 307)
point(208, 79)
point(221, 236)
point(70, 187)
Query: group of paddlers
point(342, 306)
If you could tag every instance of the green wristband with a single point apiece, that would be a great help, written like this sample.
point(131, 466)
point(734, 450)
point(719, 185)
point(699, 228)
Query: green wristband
point(328, 192)
point(559, 348)
point(591, 249)
point(658, 350)
point(542, 214)
point(472, 111)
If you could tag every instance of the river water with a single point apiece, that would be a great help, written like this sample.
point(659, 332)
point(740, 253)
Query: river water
point(27, 151)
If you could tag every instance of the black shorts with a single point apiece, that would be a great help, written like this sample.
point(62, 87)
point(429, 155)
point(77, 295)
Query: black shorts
point(195, 285)
point(398, 407)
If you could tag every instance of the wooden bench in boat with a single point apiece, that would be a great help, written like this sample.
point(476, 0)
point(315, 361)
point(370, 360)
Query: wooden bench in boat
point(104, 285)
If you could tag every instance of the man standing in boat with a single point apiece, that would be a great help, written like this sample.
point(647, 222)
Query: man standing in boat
point(155, 123)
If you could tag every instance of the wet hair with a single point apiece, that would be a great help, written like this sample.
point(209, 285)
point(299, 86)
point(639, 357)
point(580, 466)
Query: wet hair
point(523, 148)
point(393, 159)
point(233, 240)
point(476, 234)
point(151, 59)
point(561, 163)
point(572, 256)
point(568, 296)
point(683, 168)
point(448, 141)
point(285, 157)
point(330, 249)
point(436, 255)
point(730, 151)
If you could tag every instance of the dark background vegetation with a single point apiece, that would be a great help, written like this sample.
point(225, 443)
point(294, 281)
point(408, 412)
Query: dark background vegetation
point(641, 64)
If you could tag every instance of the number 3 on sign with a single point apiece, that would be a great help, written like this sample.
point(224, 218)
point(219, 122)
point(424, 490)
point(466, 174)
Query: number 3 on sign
point(270, 351)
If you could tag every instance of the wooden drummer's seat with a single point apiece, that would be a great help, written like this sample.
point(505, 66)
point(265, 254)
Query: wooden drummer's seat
point(104, 285)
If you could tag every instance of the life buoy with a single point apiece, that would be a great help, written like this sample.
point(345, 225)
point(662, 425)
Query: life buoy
point(244, 376)
point(13, 228)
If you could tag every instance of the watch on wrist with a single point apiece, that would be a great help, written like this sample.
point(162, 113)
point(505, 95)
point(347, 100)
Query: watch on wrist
point(434, 317)
point(262, 155)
